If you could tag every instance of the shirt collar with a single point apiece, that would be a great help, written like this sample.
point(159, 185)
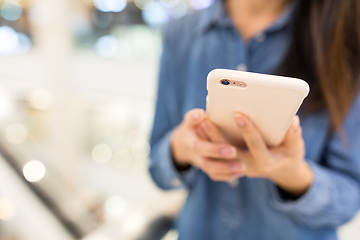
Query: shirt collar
point(216, 16)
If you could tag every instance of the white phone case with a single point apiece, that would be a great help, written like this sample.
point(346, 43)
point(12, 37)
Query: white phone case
point(271, 102)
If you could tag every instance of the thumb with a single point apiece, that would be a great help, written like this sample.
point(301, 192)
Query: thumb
point(194, 117)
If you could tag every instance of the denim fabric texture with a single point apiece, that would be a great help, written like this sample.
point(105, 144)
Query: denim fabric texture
point(251, 209)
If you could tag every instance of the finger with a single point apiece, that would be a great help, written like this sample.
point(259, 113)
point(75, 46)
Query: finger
point(194, 117)
point(223, 177)
point(201, 134)
point(253, 139)
point(214, 150)
point(244, 158)
point(293, 141)
point(212, 132)
point(214, 166)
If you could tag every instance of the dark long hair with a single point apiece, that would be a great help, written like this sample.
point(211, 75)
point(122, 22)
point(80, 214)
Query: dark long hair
point(325, 51)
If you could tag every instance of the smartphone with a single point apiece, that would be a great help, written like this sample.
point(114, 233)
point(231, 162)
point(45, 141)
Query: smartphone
point(270, 101)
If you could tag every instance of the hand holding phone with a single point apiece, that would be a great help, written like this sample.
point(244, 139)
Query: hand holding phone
point(271, 102)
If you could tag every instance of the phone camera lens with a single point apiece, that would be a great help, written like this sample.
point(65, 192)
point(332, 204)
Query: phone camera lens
point(225, 82)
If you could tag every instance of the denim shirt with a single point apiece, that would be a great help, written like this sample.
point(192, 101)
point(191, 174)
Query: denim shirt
point(251, 208)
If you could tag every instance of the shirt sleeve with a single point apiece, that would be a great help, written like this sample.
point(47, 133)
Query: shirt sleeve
point(334, 196)
point(167, 116)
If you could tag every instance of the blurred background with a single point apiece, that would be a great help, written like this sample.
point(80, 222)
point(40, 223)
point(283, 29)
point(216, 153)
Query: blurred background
point(78, 82)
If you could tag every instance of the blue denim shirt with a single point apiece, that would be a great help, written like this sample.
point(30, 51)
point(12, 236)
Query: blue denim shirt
point(252, 208)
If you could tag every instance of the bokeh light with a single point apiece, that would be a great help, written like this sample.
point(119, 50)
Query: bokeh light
point(8, 40)
point(24, 43)
point(122, 159)
point(134, 223)
point(143, 4)
point(107, 46)
point(155, 15)
point(201, 4)
point(16, 133)
point(140, 149)
point(12, 42)
point(179, 10)
point(136, 134)
point(169, 3)
point(40, 99)
point(115, 206)
point(119, 142)
point(7, 209)
point(101, 153)
point(11, 10)
point(110, 5)
point(34, 171)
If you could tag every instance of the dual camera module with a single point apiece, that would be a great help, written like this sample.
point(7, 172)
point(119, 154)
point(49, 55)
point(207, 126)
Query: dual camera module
point(233, 83)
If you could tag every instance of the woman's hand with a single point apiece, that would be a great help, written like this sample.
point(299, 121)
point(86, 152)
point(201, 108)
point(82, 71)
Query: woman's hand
point(284, 165)
point(191, 147)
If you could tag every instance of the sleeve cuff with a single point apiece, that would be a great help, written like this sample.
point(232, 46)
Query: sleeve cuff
point(163, 168)
point(313, 202)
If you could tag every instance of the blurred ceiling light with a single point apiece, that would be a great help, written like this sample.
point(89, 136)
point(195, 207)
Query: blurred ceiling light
point(6, 104)
point(115, 206)
point(11, 10)
point(122, 159)
point(40, 99)
point(201, 4)
point(134, 223)
point(8, 40)
point(136, 134)
point(101, 153)
point(7, 209)
point(39, 14)
point(34, 171)
point(169, 3)
point(179, 10)
point(155, 15)
point(140, 149)
point(110, 5)
point(143, 4)
point(107, 46)
point(16, 133)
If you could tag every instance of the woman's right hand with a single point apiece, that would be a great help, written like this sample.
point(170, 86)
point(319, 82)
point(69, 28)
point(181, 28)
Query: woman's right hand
point(190, 147)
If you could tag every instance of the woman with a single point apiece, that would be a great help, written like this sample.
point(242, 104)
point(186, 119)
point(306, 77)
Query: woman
point(303, 189)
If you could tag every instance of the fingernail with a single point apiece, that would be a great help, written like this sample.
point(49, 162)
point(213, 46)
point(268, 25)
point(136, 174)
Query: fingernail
point(239, 120)
point(236, 168)
point(228, 151)
point(296, 124)
point(205, 126)
point(196, 115)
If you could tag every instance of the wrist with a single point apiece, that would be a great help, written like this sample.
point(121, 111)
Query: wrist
point(177, 155)
point(296, 180)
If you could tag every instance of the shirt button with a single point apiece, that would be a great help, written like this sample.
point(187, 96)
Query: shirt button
point(175, 182)
point(241, 67)
point(260, 37)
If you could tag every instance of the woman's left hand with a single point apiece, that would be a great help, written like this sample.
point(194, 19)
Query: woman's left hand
point(285, 165)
